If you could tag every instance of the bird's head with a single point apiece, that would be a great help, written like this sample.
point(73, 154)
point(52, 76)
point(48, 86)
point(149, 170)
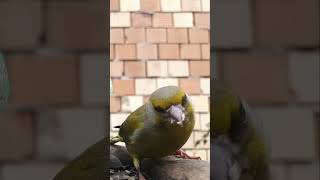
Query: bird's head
point(173, 103)
point(225, 106)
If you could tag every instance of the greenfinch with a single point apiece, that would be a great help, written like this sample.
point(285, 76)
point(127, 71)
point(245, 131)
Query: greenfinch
point(158, 128)
point(90, 165)
point(238, 145)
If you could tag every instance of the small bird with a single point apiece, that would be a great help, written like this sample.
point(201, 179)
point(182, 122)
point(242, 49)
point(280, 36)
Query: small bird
point(90, 165)
point(238, 145)
point(4, 83)
point(158, 128)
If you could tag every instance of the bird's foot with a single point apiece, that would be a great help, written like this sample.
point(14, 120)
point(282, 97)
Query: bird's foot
point(184, 155)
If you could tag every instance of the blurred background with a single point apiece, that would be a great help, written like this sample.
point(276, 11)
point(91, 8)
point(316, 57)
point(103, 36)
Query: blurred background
point(156, 43)
point(268, 52)
point(57, 65)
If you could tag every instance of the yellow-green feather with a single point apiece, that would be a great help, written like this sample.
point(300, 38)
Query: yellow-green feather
point(91, 164)
point(225, 108)
point(133, 123)
point(223, 104)
point(164, 99)
point(149, 134)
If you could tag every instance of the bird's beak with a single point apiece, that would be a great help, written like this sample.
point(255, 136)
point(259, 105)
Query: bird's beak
point(177, 114)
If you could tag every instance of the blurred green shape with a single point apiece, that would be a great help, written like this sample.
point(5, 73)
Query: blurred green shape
point(4, 83)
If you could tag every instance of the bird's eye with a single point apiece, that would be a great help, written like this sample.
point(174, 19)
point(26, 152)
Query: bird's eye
point(161, 110)
point(184, 99)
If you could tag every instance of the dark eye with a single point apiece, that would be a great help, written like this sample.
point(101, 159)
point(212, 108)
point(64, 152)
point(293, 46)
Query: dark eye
point(184, 99)
point(159, 109)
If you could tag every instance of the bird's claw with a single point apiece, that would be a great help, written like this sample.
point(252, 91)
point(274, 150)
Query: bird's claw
point(184, 155)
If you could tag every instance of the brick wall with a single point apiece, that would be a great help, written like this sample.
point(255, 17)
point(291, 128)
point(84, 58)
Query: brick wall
point(56, 64)
point(268, 51)
point(156, 43)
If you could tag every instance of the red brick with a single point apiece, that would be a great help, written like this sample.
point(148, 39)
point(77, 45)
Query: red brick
point(162, 20)
point(141, 20)
point(298, 26)
point(16, 135)
point(205, 51)
point(150, 5)
point(156, 35)
point(190, 51)
point(257, 77)
point(147, 51)
point(21, 24)
point(169, 51)
point(135, 69)
point(190, 86)
point(200, 68)
point(114, 5)
point(125, 52)
point(76, 25)
point(123, 87)
point(116, 35)
point(202, 20)
point(115, 104)
point(177, 35)
point(198, 35)
point(135, 35)
point(116, 69)
point(44, 80)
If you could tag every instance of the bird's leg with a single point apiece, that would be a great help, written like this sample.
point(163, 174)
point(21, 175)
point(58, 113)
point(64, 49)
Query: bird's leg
point(184, 155)
point(137, 166)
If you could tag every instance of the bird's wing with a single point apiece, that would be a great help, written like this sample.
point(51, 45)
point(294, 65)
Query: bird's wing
point(91, 164)
point(4, 83)
point(257, 124)
point(134, 122)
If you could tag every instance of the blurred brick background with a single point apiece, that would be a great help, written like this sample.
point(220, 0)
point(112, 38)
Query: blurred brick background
point(156, 43)
point(55, 55)
point(268, 51)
